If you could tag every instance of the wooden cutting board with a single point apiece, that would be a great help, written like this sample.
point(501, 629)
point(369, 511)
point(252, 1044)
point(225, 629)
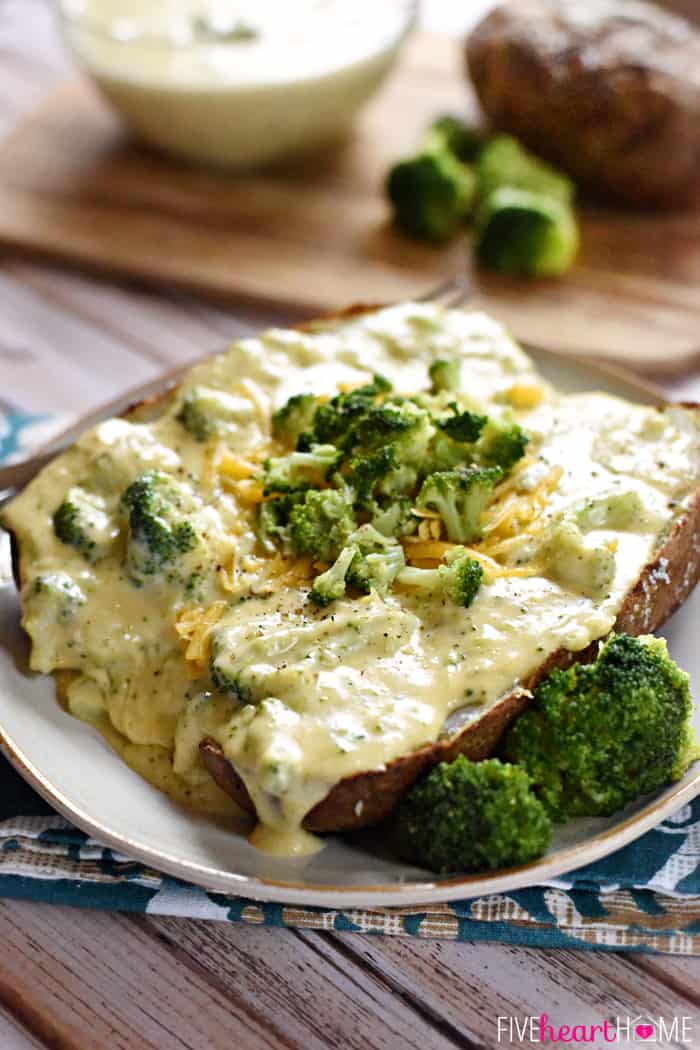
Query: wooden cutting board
point(314, 236)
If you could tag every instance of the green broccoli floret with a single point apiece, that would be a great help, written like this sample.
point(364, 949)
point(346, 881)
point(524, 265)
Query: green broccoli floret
point(452, 134)
point(462, 426)
point(272, 520)
point(412, 443)
point(333, 420)
point(226, 679)
point(395, 519)
point(458, 580)
point(294, 418)
point(159, 530)
point(56, 595)
point(503, 162)
point(82, 521)
point(207, 413)
point(300, 470)
point(598, 735)
point(377, 563)
point(445, 375)
point(389, 445)
point(445, 453)
point(459, 496)
point(331, 585)
point(471, 816)
point(369, 563)
point(525, 233)
point(321, 523)
point(502, 444)
point(431, 194)
point(364, 471)
point(383, 424)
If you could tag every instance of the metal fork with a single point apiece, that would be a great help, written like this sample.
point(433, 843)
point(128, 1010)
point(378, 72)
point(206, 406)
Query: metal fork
point(454, 291)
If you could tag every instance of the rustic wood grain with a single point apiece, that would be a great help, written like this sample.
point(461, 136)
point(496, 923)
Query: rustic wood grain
point(80, 980)
point(315, 236)
point(313, 991)
point(678, 972)
point(469, 985)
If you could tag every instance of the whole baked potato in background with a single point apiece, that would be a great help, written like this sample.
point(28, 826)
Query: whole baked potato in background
point(607, 89)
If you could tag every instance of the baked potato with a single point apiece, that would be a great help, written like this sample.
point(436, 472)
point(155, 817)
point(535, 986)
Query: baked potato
point(369, 794)
point(607, 89)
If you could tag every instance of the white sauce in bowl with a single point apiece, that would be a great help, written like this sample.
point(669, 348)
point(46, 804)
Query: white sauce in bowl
point(237, 84)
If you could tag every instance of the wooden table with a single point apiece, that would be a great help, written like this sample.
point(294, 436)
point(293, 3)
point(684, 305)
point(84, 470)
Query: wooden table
point(78, 979)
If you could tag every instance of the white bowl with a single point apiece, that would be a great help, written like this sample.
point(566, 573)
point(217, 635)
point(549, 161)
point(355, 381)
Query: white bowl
point(245, 102)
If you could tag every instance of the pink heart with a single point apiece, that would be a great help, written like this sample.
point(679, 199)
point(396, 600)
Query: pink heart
point(644, 1030)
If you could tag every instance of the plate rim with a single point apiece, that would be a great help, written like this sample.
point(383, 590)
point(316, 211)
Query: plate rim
point(396, 894)
point(259, 888)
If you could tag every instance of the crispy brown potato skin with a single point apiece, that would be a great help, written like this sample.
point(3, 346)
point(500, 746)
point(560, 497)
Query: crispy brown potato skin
point(610, 93)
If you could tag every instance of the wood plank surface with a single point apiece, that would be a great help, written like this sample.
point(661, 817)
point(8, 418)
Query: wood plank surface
point(314, 236)
point(78, 979)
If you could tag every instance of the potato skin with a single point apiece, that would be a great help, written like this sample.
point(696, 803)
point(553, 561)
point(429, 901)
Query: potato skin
point(610, 91)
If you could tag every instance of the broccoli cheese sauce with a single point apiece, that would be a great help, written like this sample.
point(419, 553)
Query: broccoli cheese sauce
point(346, 688)
point(237, 83)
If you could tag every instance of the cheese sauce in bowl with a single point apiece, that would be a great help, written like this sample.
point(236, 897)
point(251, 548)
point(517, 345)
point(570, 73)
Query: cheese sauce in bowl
point(237, 84)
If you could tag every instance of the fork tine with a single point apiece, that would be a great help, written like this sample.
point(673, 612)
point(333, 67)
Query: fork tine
point(454, 291)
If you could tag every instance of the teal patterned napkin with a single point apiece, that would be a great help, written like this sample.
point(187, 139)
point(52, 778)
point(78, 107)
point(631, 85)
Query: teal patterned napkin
point(645, 897)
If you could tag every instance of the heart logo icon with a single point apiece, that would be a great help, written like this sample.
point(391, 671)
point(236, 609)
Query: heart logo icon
point(644, 1031)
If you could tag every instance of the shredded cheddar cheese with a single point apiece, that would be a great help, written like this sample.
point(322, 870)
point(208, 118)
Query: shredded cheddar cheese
point(514, 513)
point(194, 626)
point(247, 491)
point(234, 467)
point(511, 516)
point(524, 395)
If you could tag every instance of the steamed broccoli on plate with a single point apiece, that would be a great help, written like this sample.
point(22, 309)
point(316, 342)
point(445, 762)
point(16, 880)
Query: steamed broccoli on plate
point(471, 816)
point(321, 524)
point(599, 735)
point(300, 469)
point(594, 738)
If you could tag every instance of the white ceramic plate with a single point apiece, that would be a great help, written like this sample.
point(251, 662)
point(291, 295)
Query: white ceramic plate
point(74, 769)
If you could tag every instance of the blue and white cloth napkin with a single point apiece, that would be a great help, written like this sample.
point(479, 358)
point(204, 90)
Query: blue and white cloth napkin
point(645, 897)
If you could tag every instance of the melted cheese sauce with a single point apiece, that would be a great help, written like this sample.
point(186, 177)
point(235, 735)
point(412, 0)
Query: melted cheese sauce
point(348, 688)
point(196, 44)
point(237, 83)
